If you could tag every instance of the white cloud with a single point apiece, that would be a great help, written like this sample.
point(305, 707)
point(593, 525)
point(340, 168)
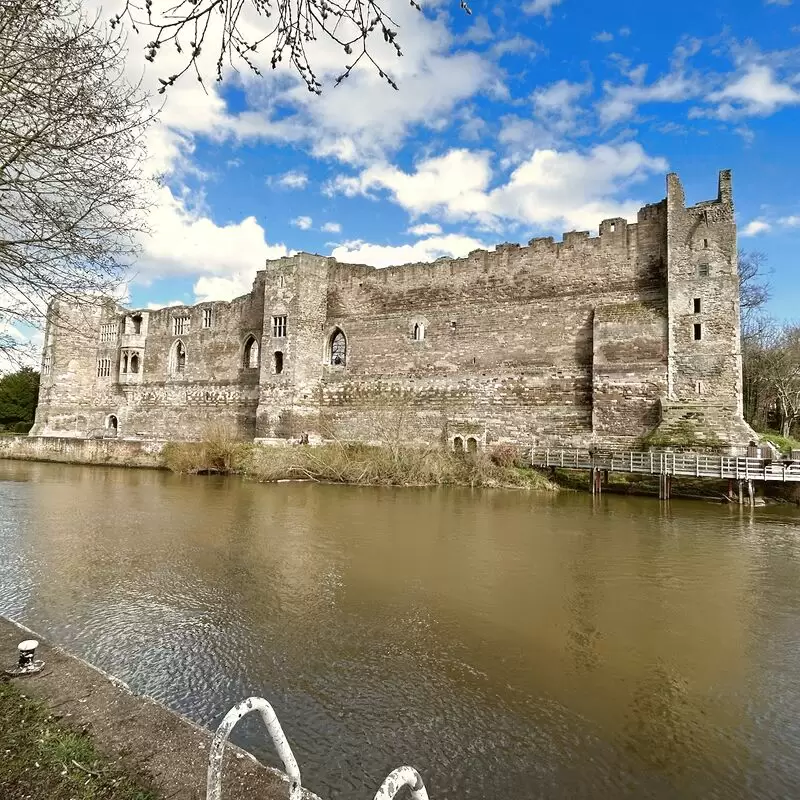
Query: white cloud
point(548, 188)
point(603, 36)
point(755, 92)
point(425, 229)
point(183, 242)
point(624, 31)
point(332, 227)
point(756, 226)
point(293, 179)
point(422, 251)
point(544, 7)
point(778, 2)
point(302, 222)
point(791, 222)
point(621, 101)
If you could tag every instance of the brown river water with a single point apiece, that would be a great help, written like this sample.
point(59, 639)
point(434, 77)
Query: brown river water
point(508, 645)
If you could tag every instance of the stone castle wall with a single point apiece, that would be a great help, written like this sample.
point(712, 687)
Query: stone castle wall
point(556, 343)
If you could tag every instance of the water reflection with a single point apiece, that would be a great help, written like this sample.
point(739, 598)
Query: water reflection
point(507, 645)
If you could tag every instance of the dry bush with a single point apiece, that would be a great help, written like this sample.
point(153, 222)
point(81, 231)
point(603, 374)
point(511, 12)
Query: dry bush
point(221, 450)
point(506, 455)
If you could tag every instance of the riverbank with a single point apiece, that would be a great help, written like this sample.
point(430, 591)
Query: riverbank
point(73, 733)
point(358, 465)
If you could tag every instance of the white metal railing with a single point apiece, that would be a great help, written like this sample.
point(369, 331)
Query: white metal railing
point(279, 740)
point(395, 781)
point(695, 465)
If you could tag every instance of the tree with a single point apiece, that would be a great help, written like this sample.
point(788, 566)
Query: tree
point(71, 148)
point(781, 359)
point(239, 28)
point(18, 395)
point(753, 292)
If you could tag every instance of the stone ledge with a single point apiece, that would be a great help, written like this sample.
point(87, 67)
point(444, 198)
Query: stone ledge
point(144, 737)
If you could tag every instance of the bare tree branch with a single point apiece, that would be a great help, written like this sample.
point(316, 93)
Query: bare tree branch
point(71, 152)
point(236, 29)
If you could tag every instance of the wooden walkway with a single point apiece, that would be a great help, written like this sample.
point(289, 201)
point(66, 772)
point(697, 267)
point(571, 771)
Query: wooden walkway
point(668, 465)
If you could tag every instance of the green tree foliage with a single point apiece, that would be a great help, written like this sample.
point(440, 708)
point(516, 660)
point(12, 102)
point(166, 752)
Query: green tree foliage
point(18, 394)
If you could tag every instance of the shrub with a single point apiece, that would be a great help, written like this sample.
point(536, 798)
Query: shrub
point(505, 455)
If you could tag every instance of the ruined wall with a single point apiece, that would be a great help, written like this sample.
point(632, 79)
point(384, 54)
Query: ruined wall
point(508, 337)
point(555, 344)
point(214, 387)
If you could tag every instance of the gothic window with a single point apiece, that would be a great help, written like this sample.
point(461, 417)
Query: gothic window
point(134, 363)
point(250, 356)
point(278, 362)
point(124, 362)
point(418, 332)
point(338, 349)
point(180, 325)
point(177, 360)
point(458, 445)
point(472, 444)
point(279, 327)
point(112, 423)
point(206, 317)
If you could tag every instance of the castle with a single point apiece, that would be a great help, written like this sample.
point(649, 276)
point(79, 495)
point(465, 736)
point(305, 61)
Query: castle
point(592, 340)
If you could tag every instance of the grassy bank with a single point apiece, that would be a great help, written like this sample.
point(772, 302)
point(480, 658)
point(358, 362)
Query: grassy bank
point(355, 464)
point(783, 443)
point(42, 759)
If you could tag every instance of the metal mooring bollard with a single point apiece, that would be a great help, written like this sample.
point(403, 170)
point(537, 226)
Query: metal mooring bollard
point(28, 664)
point(396, 780)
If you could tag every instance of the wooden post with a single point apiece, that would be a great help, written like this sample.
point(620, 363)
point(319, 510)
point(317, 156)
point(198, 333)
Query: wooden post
point(605, 477)
point(741, 493)
point(731, 493)
point(751, 495)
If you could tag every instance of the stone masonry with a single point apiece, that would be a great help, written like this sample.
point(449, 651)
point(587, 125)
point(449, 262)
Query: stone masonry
point(590, 341)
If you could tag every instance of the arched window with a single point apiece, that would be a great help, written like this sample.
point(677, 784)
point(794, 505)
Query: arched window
point(134, 363)
point(124, 362)
point(112, 424)
point(177, 358)
point(472, 444)
point(250, 355)
point(278, 362)
point(418, 333)
point(338, 349)
point(458, 445)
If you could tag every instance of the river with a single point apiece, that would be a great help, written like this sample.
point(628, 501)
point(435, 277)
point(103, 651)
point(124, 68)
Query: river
point(508, 645)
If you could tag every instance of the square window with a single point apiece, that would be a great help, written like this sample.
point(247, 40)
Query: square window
point(108, 332)
point(279, 327)
point(702, 270)
point(698, 331)
point(206, 317)
point(697, 305)
point(180, 325)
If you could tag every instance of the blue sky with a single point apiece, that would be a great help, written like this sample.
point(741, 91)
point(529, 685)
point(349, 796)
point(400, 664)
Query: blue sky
point(507, 124)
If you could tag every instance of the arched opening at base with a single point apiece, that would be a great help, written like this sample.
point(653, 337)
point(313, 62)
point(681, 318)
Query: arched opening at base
point(472, 445)
point(458, 445)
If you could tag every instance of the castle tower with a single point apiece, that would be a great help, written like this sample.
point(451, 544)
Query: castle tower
point(295, 313)
point(704, 377)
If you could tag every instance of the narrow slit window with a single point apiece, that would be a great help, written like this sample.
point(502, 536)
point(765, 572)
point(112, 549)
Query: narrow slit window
point(278, 362)
point(697, 305)
point(705, 244)
point(698, 331)
point(206, 317)
point(418, 332)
